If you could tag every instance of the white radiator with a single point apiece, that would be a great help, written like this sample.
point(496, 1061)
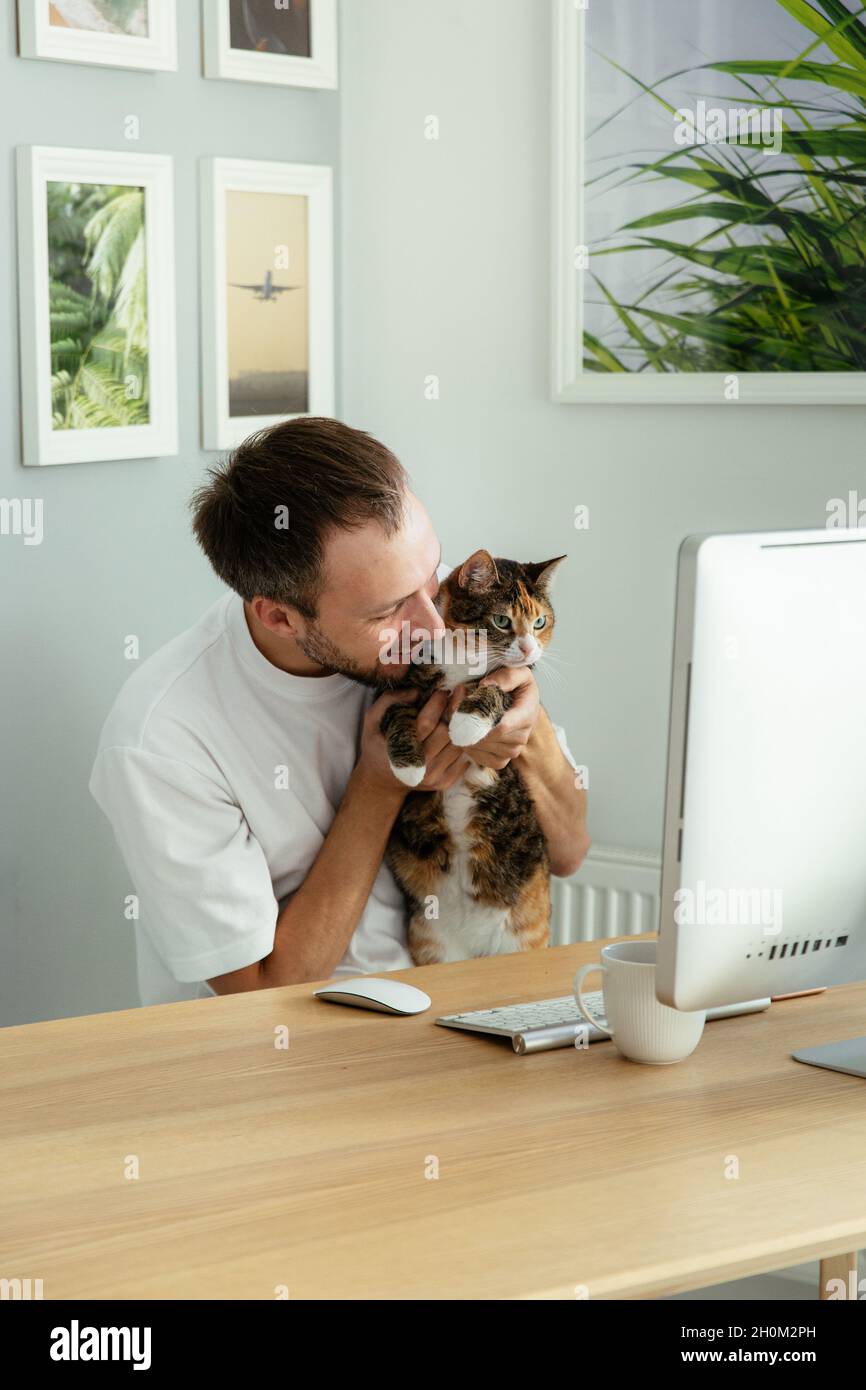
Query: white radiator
point(616, 892)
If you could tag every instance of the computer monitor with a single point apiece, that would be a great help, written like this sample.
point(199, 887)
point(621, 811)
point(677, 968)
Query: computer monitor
point(764, 866)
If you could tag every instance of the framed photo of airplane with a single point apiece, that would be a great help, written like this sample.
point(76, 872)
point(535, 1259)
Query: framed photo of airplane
point(267, 296)
point(97, 305)
point(292, 43)
point(113, 33)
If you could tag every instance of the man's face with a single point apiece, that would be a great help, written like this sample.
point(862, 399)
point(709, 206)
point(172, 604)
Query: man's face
point(374, 583)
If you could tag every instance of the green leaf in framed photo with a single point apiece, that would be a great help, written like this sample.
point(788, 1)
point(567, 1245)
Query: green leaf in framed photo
point(709, 237)
point(97, 305)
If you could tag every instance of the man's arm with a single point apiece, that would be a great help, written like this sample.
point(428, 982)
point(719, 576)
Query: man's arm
point(525, 732)
point(314, 928)
point(560, 803)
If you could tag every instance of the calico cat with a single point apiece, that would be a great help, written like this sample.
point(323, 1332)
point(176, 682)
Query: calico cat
point(472, 860)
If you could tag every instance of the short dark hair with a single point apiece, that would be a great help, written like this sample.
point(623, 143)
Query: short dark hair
point(315, 474)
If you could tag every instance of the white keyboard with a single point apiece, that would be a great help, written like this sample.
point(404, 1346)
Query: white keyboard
point(549, 1023)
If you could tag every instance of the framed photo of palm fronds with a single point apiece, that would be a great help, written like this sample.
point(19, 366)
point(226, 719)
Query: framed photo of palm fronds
point(97, 305)
point(292, 43)
point(113, 33)
point(709, 221)
point(267, 295)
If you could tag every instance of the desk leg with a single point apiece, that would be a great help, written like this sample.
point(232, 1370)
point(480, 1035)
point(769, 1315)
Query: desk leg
point(839, 1267)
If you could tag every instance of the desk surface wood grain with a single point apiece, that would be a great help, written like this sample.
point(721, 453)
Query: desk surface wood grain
point(563, 1174)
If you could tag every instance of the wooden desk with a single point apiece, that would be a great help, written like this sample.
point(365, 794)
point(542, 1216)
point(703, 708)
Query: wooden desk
point(307, 1168)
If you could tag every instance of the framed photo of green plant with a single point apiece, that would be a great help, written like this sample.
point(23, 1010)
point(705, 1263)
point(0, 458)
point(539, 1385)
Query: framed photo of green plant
point(709, 201)
point(97, 305)
point(112, 33)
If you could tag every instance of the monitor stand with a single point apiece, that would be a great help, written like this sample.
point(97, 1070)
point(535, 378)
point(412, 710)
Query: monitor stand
point(848, 1056)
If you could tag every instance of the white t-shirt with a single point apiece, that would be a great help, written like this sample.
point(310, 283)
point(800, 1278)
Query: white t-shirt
point(221, 775)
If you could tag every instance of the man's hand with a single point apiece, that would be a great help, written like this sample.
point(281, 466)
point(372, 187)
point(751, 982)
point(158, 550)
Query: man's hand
point(445, 763)
point(514, 730)
point(525, 732)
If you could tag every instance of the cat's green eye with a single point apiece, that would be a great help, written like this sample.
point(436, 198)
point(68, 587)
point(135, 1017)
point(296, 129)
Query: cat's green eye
point(501, 621)
point(540, 622)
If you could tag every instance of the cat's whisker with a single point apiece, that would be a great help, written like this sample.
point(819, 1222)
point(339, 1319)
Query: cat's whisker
point(562, 677)
point(556, 678)
point(555, 670)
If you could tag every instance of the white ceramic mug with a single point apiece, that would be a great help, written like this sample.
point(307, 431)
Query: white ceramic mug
point(643, 1029)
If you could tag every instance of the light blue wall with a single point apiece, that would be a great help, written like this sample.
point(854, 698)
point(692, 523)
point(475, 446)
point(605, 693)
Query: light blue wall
point(117, 557)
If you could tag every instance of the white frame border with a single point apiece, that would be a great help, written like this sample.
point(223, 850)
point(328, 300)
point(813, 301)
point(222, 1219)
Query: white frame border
point(223, 61)
point(38, 38)
point(315, 182)
point(37, 166)
point(569, 382)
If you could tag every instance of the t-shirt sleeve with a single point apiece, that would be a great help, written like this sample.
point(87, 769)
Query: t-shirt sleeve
point(203, 883)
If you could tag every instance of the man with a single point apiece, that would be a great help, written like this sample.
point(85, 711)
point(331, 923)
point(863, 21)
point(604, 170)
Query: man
point(241, 765)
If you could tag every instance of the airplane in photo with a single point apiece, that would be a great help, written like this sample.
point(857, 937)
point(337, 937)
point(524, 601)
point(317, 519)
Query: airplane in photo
point(267, 289)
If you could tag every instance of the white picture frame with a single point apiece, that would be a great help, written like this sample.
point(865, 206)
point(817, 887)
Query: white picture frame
point(570, 382)
point(242, 65)
point(218, 177)
point(157, 52)
point(37, 166)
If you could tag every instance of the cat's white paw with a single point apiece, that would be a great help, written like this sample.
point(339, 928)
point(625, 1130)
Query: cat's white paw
point(409, 776)
point(466, 729)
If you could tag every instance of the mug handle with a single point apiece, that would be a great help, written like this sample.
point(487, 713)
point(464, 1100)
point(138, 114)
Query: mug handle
point(578, 997)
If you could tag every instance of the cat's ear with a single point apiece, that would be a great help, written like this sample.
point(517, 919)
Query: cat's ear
point(542, 573)
point(478, 573)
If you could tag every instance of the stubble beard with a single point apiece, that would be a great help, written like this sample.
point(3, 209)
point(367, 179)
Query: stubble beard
point(319, 648)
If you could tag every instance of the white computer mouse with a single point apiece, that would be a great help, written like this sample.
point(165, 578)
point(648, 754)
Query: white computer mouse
point(368, 992)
